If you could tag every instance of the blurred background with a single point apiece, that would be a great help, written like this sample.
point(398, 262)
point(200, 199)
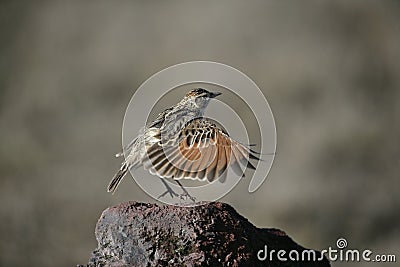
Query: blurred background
point(330, 71)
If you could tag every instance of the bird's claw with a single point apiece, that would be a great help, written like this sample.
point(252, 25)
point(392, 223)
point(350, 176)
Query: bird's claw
point(170, 192)
point(185, 196)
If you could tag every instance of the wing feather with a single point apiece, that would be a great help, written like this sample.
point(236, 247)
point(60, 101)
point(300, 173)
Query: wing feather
point(202, 151)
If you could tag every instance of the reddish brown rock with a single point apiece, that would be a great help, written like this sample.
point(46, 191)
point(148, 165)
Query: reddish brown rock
point(214, 234)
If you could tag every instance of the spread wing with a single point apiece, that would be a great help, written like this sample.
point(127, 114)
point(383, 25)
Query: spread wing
point(201, 151)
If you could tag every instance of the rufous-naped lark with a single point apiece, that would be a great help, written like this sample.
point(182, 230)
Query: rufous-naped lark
point(181, 144)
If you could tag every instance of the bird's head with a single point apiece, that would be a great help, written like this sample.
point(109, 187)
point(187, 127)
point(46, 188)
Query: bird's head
point(200, 97)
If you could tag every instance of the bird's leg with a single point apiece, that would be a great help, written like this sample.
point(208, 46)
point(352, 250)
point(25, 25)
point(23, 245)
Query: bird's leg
point(169, 190)
point(185, 192)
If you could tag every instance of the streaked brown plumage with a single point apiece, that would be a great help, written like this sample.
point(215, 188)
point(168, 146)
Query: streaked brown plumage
point(181, 144)
point(201, 151)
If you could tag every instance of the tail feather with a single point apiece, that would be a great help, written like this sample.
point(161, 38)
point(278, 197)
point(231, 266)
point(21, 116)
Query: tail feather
point(116, 180)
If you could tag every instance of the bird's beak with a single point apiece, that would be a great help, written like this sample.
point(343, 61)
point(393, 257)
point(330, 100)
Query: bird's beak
point(214, 94)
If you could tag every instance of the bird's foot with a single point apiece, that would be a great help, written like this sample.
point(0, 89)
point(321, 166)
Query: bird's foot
point(169, 190)
point(185, 195)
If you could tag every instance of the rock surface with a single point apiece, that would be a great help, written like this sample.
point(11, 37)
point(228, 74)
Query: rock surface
point(213, 234)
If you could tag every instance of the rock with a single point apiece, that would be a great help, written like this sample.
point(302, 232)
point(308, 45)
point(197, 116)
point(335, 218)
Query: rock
point(213, 234)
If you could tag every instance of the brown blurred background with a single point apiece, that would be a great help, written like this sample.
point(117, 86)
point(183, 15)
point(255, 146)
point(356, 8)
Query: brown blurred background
point(330, 71)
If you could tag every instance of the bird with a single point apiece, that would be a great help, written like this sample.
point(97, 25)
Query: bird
point(182, 144)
